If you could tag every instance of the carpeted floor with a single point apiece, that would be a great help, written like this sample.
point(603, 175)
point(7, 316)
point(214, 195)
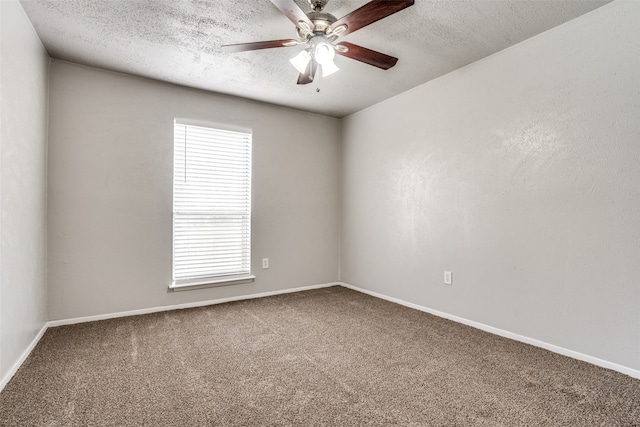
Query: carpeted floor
point(327, 357)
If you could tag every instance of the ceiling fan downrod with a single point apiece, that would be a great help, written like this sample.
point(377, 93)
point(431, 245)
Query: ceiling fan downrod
point(318, 5)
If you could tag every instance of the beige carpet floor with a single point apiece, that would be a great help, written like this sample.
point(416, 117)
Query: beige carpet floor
point(327, 357)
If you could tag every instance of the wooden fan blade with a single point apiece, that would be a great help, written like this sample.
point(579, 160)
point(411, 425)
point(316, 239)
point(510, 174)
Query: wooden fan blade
point(293, 12)
point(309, 74)
point(367, 56)
point(242, 47)
point(371, 12)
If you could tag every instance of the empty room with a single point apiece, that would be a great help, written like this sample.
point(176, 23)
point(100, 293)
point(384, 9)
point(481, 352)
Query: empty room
point(320, 213)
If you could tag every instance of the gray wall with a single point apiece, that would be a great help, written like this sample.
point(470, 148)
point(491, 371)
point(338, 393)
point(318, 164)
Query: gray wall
point(23, 144)
point(110, 192)
point(521, 174)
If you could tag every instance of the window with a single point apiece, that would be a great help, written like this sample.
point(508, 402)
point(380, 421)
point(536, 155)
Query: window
point(211, 206)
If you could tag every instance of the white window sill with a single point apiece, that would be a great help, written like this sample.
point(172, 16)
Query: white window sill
point(211, 282)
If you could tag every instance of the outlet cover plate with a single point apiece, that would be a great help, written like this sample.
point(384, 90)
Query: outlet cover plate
point(448, 278)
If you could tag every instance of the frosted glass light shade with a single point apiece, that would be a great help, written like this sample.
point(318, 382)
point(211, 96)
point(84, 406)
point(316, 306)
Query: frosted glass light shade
point(323, 52)
point(329, 68)
point(301, 60)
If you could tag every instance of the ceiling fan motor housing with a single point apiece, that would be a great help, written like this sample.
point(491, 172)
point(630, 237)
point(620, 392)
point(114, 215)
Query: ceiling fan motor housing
point(321, 23)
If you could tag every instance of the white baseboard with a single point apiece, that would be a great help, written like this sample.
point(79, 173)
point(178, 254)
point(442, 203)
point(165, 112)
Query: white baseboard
point(5, 380)
point(556, 349)
point(551, 347)
point(72, 321)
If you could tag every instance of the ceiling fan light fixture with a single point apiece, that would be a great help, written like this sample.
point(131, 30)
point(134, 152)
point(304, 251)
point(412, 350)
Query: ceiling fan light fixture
point(301, 60)
point(323, 53)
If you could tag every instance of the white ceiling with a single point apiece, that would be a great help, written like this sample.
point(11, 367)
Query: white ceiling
point(179, 41)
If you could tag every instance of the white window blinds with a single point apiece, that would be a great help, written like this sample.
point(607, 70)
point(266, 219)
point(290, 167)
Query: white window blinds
point(211, 204)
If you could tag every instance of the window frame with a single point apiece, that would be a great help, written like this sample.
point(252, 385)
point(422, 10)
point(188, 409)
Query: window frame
point(215, 279)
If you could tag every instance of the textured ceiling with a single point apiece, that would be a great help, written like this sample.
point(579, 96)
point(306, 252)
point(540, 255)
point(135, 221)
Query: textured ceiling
point(179, 41)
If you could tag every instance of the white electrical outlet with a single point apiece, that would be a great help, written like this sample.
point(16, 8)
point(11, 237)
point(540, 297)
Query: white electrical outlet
point(447, 278)
point(265, 263)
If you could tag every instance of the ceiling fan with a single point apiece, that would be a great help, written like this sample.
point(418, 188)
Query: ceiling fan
point(320, 30)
